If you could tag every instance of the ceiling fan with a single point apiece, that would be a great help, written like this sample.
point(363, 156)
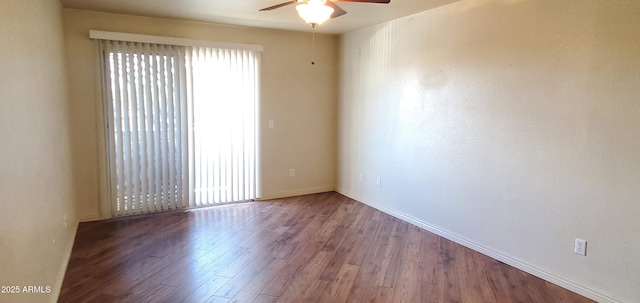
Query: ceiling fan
point(315, 12)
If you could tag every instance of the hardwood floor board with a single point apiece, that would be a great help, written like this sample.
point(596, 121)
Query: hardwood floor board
point(108, 231)
point(449, 285)
point(201, 285)
point(78, 270)
point(516, 286)
point(280, 279)
point(429, 291)
point(382, 237)
point(477, 271)
point(558, 294)
point(307, 243)
point(299, 233)
point(206, 290)
point(534, 290)
point(189, 278)
point(378, 259)
point(470, 290)
point(291, 243)
point(236, 240)
point(332, 223)
point(498, 282)
point(428, 256)
point(78, 290)
point(220, 239)
point(340, 254)
point(275, 221)
point(266, 236)
point(411, 244)
point(165, 246)
point(203, 270)
point(262, 298)
point(364, 242)
point(381, 294)
point(125, 278)
point(363, 286)
point(301, 279)
point(102, 298)
point(214, 299)
point(312, 292)
point(84, 249)
point(276, 235)
point(364, 215)
point(341, 286)
point(153, 245)
point(408, 283)
point(250, 270)
point(363, 231)
point(302, 251)
point(333, 241)
point(242, 260)
point(254, 287)
point(314, 248)
point(290, 221)
point(156, 294)
point(179, 268)
point(105, 258)
point(390, 263)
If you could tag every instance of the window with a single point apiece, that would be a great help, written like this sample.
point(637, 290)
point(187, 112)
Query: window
point(181, 125)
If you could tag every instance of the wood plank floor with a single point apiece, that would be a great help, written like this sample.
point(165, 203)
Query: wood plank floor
point(315, 248)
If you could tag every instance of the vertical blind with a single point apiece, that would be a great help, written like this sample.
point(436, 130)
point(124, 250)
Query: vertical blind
point(223, 132)
point(181, 125)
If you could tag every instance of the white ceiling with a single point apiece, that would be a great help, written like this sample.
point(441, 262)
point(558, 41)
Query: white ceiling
point(245, 12)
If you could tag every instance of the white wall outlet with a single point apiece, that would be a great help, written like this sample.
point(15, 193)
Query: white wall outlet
point(292, 172)
point(580, 247)
point(378, 181)
point(270, 123)
point(361, 177)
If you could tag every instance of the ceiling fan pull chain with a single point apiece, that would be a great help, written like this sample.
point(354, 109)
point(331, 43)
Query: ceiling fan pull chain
point(313, 45)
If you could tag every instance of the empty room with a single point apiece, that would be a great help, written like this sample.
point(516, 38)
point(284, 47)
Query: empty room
point(320, 151)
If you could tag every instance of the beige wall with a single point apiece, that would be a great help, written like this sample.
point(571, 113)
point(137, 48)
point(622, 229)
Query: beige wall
point(512, 126)
point(300, 98)
point(36, 184)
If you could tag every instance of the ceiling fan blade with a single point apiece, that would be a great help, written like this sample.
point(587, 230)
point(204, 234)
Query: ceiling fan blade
point(337, 11)
point(367, 1)
point(279, 5)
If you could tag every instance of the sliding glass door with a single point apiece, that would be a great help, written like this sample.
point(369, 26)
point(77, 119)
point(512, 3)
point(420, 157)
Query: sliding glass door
point(181, 125)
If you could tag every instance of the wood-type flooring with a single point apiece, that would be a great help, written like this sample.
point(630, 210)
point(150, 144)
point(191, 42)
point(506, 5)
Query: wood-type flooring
point(315, 248)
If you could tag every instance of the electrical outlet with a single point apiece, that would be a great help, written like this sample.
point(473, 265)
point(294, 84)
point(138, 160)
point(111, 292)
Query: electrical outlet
point(270, 123)
point(378, 181)
point(292, 172)
point(361, 177)
point(580, 247)
point(65, 220)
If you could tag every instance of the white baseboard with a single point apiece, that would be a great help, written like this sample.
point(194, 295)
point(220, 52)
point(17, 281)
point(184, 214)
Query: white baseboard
point(55, 295)
point(540, 273)
point(297, 192)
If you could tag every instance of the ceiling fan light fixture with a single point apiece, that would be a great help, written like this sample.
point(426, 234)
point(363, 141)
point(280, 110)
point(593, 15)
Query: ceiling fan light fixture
point(314, 12)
